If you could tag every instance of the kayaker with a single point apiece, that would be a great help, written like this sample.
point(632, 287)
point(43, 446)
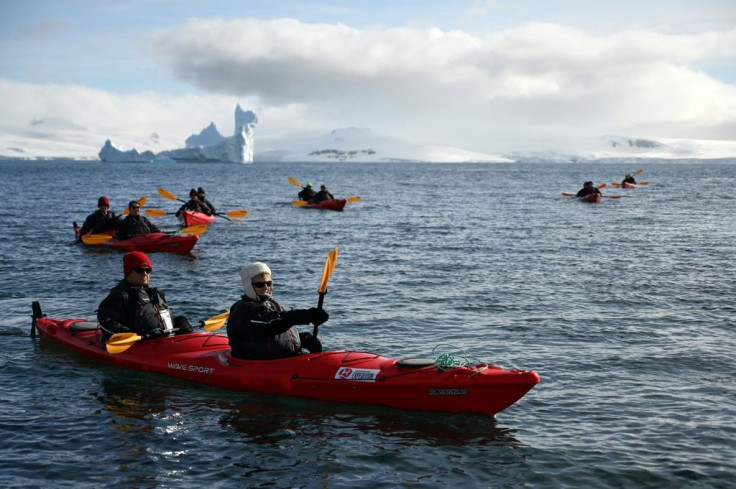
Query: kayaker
point(205, 203)
point(193, 204)
point(307, 193)
point(628, 178)
point(323, 194)
point(135, 224)
point(101, 220)
point(587, 189)
point(259, 328)
point(132, 306)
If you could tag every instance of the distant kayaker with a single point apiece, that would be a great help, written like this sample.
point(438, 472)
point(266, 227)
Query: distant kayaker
point(587, 189)
point(135, 224)
point(193, 204)
point(628, 178)
point(259, 328)
point(323, 194)
point(132, 306)
point(101, 220)
point(307, 193)
point(205, 203)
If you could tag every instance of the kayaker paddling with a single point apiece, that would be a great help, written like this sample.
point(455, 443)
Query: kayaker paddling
point(587, 189)
point(135, 224)
point(307, 193)
point(202, 196)
point(193, 205)
point(323, 194)
point(101, 220)
point(132, 306)
point(259, 328)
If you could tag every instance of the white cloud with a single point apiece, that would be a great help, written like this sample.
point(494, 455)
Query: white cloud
point(531, 84)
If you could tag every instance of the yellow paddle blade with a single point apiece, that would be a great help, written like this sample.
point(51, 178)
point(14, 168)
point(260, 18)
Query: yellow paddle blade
point(237, 214)
point(616, 184)
point(644, 183)
point(613, 196)
point(355, 198)
point(327, 270)
point(155, 212)
point(568, 194)
point(638, 171)
point(603, 185)
point(294, 182)
point(300, 203)
point(196, 230)
point(166, 194)
point(93, 239)
point(215, 322)
point(120, 342)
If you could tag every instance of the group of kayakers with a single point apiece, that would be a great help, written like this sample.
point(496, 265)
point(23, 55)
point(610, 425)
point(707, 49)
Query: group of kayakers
point(197, 203)
point(103, 220)
point(308, 194)
point(589, 188)
point(258, 327)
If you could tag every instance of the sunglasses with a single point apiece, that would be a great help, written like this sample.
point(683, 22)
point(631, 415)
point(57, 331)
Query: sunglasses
point(143, 270)
point(136, 207)
point(258, 285)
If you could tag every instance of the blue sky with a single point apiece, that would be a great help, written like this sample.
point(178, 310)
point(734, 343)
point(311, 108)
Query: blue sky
point(484, 75)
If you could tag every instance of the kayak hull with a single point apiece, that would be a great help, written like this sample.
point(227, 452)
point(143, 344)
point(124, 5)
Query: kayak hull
point(628, 185)
point(330, 205)
point(337, 376)
point(193, 218)
point(592, 198)
point(153, 242)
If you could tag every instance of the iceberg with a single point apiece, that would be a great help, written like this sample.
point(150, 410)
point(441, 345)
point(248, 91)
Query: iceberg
point(207, 146)
point(112, 153)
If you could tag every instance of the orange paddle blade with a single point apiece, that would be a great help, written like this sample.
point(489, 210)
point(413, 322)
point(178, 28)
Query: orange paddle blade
point(327, 270)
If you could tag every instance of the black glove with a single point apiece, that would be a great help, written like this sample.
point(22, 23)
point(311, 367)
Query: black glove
point(182, 325)
point(310, 343)
point(297, 316)
point(318, 316)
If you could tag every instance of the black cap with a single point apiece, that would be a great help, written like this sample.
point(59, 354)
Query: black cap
point(192, 192)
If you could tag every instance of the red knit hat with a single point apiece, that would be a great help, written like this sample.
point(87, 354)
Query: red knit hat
point(103, 201)
point(135, 259)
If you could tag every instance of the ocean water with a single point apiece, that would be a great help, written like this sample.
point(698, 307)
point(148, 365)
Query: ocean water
point(625, 308)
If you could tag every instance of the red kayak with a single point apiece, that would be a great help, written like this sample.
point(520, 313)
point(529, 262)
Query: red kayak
point(331, 205)
point(194, 218)
point(337, 376)
point(162, 242)
point(591, 198)
point(628, 185)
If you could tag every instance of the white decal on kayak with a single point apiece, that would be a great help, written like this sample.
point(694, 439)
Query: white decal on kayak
point(448, 392)
point(364, 374)
point(191, 368)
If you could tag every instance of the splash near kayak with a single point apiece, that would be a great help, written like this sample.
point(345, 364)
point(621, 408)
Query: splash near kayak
point(337, 376)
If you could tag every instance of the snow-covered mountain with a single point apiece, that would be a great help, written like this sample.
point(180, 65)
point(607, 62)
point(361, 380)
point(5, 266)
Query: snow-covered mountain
point(364, 145)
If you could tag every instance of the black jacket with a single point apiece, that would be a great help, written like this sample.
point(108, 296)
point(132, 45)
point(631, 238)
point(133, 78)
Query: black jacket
point(194, 206)
point(264, 330)
point(97, 222)
point(130, 308)
point(135, 225)
point(323, 195)
point(307, 194)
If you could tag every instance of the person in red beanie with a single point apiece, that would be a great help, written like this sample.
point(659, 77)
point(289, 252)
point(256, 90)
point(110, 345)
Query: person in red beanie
point(135, 224)
point(101, 220)
point(133, 306)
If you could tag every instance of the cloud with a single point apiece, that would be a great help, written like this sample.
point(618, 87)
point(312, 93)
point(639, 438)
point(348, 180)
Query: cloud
point(538, 74)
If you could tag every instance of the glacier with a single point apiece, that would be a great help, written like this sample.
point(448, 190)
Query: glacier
point(207, 146)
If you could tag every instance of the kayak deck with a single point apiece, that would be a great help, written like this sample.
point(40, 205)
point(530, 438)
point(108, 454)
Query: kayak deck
point(330, 205)
point(193, 218)
point(338, 376)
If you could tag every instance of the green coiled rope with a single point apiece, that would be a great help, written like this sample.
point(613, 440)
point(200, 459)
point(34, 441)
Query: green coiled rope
point(456, 357)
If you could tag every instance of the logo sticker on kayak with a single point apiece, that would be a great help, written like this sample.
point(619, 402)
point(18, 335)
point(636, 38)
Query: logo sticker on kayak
point(363, 374)
point(448, 392)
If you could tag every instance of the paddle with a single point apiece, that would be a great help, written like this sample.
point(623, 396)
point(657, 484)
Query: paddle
point(236, 214)
point(326, 273)
point(168, 195)
point(299, 203)
point(120, 342)
point(95, 239)
point(294, 182)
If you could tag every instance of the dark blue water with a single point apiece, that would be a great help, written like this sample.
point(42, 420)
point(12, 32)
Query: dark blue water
point(625, 308)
